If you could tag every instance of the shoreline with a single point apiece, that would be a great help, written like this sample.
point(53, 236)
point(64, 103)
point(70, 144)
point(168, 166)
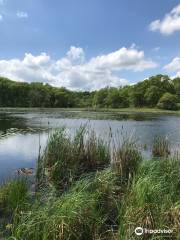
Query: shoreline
point(108, 110)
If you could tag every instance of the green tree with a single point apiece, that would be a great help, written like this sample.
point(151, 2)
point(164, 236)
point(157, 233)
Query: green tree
point(152, 95)
point(168, 101)
point(100, 98)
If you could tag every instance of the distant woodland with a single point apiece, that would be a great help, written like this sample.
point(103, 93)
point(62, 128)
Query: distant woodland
point(158, 91)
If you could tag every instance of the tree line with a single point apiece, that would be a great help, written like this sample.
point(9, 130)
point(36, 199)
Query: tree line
point(157, 91)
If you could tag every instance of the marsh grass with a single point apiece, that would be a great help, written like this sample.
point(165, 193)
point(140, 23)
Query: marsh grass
point(152, 199)
point(161, 147)
point(66, 158)
point(86, 191)
point(126, 159)
point(86, 211)
point(14, 198)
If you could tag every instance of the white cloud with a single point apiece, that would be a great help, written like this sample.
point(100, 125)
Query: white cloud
point(169, 24)
point(21, 14)
point(174, 65)
point(72, 71)
point(124, 58)
point(76, 53)
point(1, 17)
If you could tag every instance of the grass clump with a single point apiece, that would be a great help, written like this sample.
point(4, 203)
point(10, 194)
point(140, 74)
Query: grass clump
point(151, 199)
point(161, 147)
point(13, 195)
point(66, 158)
point(86, 191)
point(126, 159)
point(84, 212)
point(13, 199)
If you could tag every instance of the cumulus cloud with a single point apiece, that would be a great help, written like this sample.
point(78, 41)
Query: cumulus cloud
point(169, 24)
point(21, 14)
point(174, 65)
point(1, 17)
point(73, 71)
point(124, 58)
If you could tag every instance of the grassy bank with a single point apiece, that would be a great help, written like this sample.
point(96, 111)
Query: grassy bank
point(113, 110)
point(86, 190)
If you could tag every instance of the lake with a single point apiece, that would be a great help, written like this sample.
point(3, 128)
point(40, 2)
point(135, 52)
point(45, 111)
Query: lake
point(22, 131)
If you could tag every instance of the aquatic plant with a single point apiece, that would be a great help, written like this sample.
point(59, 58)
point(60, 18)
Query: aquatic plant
point(84, 212)
point(88, 192)
point(66, 158)
point(161, 147)
point(126, 159)
point(152, 200)
point(14, 198)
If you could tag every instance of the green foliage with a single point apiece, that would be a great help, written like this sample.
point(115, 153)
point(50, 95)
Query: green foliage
point(92, 199)
point(13, 195)
point(152, 200)
point(152, 95)
point(161, 147)
point(143, 94)
point(168, 101)
point(14, 198)
point(126, 159)
point(84, 212)
point(176, 82)
point(65, 158)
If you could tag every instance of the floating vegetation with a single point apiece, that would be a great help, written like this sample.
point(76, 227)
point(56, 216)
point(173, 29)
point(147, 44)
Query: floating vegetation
point(14, 131)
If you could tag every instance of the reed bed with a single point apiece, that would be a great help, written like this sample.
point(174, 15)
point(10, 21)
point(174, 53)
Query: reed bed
point(161, 147)
point(86, 191)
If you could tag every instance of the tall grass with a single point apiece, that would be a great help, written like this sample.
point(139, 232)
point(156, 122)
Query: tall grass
point(161, 147)
point(13, 199)
point(152, 201)
point(87, 192)
point(66, 158)
point(81, 213)
point(126, 159)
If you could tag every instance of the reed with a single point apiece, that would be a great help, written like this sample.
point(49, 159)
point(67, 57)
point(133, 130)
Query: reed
point(66, 158)
point(161, 147)
point(126, 159)
point(88, 192)
point(81, 213)
point(152, 201)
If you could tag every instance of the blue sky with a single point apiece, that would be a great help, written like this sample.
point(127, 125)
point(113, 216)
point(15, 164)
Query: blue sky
point(89, 44)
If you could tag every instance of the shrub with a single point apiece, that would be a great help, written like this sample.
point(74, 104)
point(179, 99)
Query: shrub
point(168, 101)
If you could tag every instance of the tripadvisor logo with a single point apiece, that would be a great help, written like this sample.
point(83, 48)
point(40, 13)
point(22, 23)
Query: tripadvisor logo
point(139, 231)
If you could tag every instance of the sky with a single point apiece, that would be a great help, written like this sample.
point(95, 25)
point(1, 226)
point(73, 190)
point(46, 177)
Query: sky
point(89, 44)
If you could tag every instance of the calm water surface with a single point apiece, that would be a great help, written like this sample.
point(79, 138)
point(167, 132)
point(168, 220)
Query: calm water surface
point(22, 131)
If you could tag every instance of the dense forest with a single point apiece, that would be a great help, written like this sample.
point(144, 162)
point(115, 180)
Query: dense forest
point(157, 91)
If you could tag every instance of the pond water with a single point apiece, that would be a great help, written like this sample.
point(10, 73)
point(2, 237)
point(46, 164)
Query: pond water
point(22, 131)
